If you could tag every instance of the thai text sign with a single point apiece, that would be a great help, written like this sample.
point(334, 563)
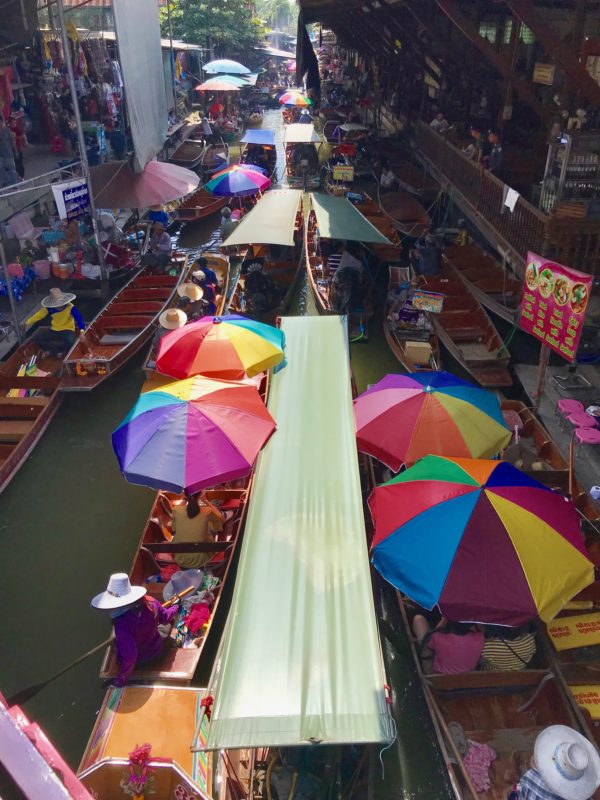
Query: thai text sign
point(588, 697)
point(543, 73)
point(343, 172)
point(72, 199)
point(568, 633)
point(553, 304)
point(428, 301)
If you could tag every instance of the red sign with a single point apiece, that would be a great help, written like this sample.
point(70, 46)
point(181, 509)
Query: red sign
point(553, 304)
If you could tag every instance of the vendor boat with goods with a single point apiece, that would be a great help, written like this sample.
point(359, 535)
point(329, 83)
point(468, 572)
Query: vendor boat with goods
point(198, 206)
point(302, 145)
point(260, 149)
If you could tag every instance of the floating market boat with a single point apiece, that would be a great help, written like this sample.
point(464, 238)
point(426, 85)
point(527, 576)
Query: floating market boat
point(467, 331)
point(259, 149)
point(413, 180)
point(492, 285)
point(302, 145)
point(120, 329)
point(199, 205)
point(407, 214)
point(220, 266)
point(255, 118)
point(29, 399)
point(409, 331)
point(336, 219)
point(189, 154)
point(386, 253)
point(272, 234)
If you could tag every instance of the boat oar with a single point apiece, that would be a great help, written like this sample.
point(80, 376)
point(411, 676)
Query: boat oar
point(25, 695)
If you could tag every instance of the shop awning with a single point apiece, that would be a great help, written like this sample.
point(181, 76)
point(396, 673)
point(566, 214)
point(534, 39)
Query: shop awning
point(298, 133)
point(337, 218)
point(271, 221)
point(262, 136)
point(274, 52)
point(300, 659)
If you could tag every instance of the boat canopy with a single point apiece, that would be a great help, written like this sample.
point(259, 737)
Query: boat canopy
point(262, 136)
point(297, 133)
point(300, 659)
point(271, 221)
point(338, 218)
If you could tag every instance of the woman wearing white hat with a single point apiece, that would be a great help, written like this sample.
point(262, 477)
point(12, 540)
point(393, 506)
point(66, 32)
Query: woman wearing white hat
point(565, 766)
point(135, 619)
point(65, 320)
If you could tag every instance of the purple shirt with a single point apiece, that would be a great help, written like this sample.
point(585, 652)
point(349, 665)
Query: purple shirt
point(454, 653)
point(137, 637)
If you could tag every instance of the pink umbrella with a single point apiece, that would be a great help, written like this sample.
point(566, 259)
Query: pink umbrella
point(116, 186)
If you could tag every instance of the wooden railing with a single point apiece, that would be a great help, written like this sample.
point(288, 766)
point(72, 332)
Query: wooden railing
point(573, 242)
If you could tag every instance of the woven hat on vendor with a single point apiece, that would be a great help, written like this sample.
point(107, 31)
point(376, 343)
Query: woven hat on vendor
point(172, 318)
point(56, 298)
point(191, 290)
point(568, 763)
point(119, 593)
point(181, 581)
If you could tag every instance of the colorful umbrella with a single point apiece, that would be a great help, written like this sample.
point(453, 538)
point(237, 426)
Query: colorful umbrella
point(192, 434)
point(227, 66)
point(480, 539)
point(228, 347)
point(217, 85)
point(404, 417)
point(237, 181)
point(294, 98)
point(115, 184)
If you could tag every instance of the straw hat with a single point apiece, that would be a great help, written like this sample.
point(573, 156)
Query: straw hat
point(119, 592)
point(57, 298)
point(190, 290)
point(568, 763)
point(181, 580)
point(172, 318)
point(199, 275)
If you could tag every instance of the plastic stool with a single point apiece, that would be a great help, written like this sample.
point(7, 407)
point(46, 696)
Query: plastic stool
point(565, 407)
point(582, 420)
point(586, 436)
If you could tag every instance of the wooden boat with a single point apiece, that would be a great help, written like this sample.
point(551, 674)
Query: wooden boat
point(411, 338)
point(189, 154)
point(413, 180)
point(495, 287)
point(302, 145)
point(29, 399)
point(268, 161)
point(466, 330)
point(199, 205)
point(387, 254)
point(220, 265)
point(407, 214)
point(505, 710)
point(214, 158)
point(120, 329)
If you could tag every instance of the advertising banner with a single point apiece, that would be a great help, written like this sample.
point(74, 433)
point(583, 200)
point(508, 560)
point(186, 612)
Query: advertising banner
point(433, 302)
point(569, 633)
point(72, 199)
point(343, 172)
point(553, 304)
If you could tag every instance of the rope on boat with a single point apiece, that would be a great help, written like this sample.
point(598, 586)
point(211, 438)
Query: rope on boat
point(387, 747)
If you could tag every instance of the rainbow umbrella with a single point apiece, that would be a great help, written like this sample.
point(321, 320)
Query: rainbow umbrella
point(294, 98)
point(228, 347)
point(405, 417)
point(192, 434)
point(237, 181)
point(480, 539)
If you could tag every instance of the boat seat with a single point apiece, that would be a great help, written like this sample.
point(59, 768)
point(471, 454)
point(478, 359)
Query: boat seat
point(25, 401)
point(126, 322)
point(26, 411)
point(465, 334)
point(482, 681)
point(14, 430)
point(117, 338)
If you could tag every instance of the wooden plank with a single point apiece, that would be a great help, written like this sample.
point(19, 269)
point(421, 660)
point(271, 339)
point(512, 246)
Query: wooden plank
point(136, 307)
point(25, 401)
point(19, 412)
point(14, 431)
point(187, 547)
point(45, 384)
point(126, 322)
point(144, 295)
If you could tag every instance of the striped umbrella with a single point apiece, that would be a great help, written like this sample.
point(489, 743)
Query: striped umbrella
point(237, 181)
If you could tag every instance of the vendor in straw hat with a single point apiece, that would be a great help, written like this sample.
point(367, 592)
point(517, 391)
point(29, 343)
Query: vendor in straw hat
point(190, 300)
point(565, 766)
point(57, 338)
point(169, 320)
point(135, 619)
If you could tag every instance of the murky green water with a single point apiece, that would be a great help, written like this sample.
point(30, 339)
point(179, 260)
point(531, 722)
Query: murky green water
point(69, 519)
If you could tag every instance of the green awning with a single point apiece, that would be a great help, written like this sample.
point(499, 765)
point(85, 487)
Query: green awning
point(337, 218)
point(271, 221)
point(300, 133)
point(300, 659)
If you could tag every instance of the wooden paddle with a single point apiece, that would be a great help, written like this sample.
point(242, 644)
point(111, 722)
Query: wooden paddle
point(25, 695)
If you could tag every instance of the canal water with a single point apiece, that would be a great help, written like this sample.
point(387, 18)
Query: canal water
point(69, 519)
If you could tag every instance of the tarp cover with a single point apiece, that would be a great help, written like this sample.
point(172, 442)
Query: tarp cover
point(337, 218)
point(259, 136)
point(271, 221)
point(138, 34)
point(300, 659)
point(298, 133)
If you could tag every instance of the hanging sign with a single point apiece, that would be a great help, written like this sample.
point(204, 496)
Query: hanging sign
point(553, 304)
point(72, 199)
point(588, 697)
point(543, 73)
point(569, 633)
point(343, 172)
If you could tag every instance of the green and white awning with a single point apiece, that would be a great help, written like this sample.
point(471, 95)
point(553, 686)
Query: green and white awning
point(338, 218)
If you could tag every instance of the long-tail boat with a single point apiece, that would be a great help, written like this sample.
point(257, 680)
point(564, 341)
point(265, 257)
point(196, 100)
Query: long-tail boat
point(29, 399)
point(406, 213)
point(259, 148)
point(302, 145)
point(494, 286)
point(467, 331)
point(409, 332)
point(199, 205)
point(120, 329)
point(413, 180)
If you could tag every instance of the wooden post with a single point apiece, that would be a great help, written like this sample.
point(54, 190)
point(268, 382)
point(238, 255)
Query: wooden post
point(543, 366)
point(572, 466)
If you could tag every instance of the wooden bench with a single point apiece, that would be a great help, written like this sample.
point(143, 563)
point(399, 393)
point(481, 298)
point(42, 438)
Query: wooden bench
point(14, 431)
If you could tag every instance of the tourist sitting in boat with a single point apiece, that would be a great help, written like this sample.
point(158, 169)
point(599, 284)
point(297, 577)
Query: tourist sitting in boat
point(388, 180)
point(228, 225)
point(190, 300)
point(426, 258)
point(260, 291)
point(347, 291)
point(195, 520)
point(450, 648)
point(507, 649)
point(168, 321)
point(211, 298)
point(305, 117)
point(565, 766)
point(135, 619)
point(159, 249)
point(65, 321)
point(201, 265)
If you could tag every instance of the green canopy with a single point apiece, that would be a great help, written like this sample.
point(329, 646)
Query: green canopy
point(338, 218)
point(300, 659)
point(271, 221)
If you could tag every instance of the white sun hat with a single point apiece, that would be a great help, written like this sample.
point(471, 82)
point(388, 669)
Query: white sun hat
point(119, 592)
point(191, 290)
point(57, 298)
point(568, 763)
point(172, 318)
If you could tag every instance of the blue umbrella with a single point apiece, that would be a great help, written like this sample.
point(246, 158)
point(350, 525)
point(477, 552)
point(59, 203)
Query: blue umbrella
point(227, 66)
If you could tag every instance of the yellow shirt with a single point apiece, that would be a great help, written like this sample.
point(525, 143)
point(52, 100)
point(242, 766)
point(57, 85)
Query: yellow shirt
point(60, 320)
point(199, 529)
